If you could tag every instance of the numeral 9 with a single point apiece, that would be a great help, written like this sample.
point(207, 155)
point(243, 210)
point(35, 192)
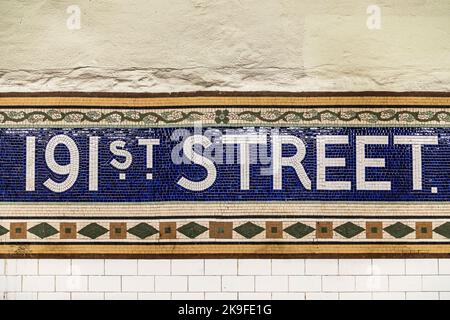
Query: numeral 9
point(71, 169)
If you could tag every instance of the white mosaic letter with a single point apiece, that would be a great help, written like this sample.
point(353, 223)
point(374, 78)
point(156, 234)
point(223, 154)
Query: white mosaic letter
point(71, 169)
point(294, 161)
point(362, 163)
point(244, 142)
point(416, 142)
point(31, 163)
point(149, 159)
point(188, 149)
point(117, 149)
point(93, 163)
point(323, 163)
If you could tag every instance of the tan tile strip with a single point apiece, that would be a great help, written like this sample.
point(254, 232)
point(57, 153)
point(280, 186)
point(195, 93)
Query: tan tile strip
point(211, 250)
point(227, 101)
point(164, 209)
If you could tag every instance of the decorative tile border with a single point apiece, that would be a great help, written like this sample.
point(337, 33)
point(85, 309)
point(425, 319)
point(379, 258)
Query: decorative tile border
point(212, 116)
point(225, 228)
point(240, 230)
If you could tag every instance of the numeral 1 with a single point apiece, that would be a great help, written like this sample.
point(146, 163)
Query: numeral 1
point(30, 164)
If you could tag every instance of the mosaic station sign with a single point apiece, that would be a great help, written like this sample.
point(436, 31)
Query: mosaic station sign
point(250, 164)
point(204, 175)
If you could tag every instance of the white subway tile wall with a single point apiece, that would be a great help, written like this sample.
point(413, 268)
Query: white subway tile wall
point(253, 279)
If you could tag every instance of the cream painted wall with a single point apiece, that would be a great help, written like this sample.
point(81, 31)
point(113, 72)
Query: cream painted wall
point(185, 45)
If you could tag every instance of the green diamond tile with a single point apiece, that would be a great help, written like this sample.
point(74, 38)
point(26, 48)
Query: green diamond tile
point(299, 230)
point(143, 230)
point(443, 230)
point(249, 230)
point(192, 230)
point(43, 230)
point(349, 230)
point(93, 231)
point(399, 230)
point(3, 230)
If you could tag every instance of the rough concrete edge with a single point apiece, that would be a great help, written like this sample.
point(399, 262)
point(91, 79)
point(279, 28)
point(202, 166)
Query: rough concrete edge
point(323, 78)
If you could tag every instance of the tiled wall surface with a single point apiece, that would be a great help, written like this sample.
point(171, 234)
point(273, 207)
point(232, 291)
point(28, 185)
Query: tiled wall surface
point(313, 46)
point(225, 279)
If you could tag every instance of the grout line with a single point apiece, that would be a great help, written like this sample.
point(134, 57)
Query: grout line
point(389, 283)
point(204, 267)
point(271, 267)
point(237, 267)
point(339, 267)
point(188, 283)
point(137, 268)
point(421, 282)
point(404, 271)
point(321, 283)
point(438, 267)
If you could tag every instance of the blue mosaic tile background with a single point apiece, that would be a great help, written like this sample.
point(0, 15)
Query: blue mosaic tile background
point(163, 187)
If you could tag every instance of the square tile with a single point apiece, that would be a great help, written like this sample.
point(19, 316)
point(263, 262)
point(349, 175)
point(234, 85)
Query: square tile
point(274, 230)
point(424, 230)
point(324, 230)
point(168, 230)
point(117, 230)
point(67, 230)
point(374, 230)
point(18, 230)
point(220, 230)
